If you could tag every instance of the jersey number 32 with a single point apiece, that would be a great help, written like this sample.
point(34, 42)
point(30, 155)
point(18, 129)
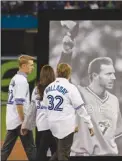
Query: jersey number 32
point(55, 106)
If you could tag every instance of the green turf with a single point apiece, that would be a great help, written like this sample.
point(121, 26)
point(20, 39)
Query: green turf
point(3, 122)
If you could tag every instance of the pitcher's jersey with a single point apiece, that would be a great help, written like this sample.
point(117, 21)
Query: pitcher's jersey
point(18, 94)
point(107, 122)
point(41, 117)
point(61, 99)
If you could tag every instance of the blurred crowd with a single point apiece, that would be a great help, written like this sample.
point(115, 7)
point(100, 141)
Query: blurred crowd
point(32, 7)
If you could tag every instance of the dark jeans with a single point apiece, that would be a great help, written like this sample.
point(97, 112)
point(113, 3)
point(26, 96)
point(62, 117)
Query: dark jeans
point(45, 141)
point(37, 138)
point(27, 142)
point(63, 148)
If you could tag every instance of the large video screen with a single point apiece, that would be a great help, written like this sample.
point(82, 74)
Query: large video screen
point(78, 43)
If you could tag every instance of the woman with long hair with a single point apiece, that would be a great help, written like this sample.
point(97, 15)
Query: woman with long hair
point(37, 115)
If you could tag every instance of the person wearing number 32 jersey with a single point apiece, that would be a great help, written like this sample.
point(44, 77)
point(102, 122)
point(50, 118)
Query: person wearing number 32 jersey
point(63, 101)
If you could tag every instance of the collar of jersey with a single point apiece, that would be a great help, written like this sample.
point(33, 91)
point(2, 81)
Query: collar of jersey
point(22, 73)
point(61, 79)
point(102, 100)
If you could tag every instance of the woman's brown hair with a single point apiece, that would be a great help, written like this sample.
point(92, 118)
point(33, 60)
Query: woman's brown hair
point(47, 76)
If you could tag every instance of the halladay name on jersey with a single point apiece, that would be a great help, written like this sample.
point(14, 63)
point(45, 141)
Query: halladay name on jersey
point(58, 88)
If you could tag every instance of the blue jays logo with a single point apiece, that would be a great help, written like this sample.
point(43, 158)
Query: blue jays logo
point(103, 126)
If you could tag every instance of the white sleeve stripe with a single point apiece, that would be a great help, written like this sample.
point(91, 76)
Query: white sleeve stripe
point(19, 101)
point(117, 136)
point(79, 106)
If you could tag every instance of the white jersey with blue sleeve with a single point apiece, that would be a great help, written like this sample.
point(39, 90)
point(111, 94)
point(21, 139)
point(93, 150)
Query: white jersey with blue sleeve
point(36, 114)
point(41, 117)
point(63, 100)
point(18, 95)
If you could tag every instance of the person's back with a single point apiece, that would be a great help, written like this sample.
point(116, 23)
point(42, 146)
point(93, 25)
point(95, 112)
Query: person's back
point(60, 109)
point(37, 116)
point(63, 100)
point(41, 120)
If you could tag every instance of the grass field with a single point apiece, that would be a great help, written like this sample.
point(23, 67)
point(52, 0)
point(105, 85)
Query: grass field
point(3, 122)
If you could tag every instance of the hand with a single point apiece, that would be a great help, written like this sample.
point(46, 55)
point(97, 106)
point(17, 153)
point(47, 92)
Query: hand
point(69, 24)
point(68, 40)
point(76, 129)
point(68, 44)
point(23, 132)
point(91, 131)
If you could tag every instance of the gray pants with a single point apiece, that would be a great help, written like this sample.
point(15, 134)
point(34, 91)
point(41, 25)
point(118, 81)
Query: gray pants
point(63, 148)
point(27, 142)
